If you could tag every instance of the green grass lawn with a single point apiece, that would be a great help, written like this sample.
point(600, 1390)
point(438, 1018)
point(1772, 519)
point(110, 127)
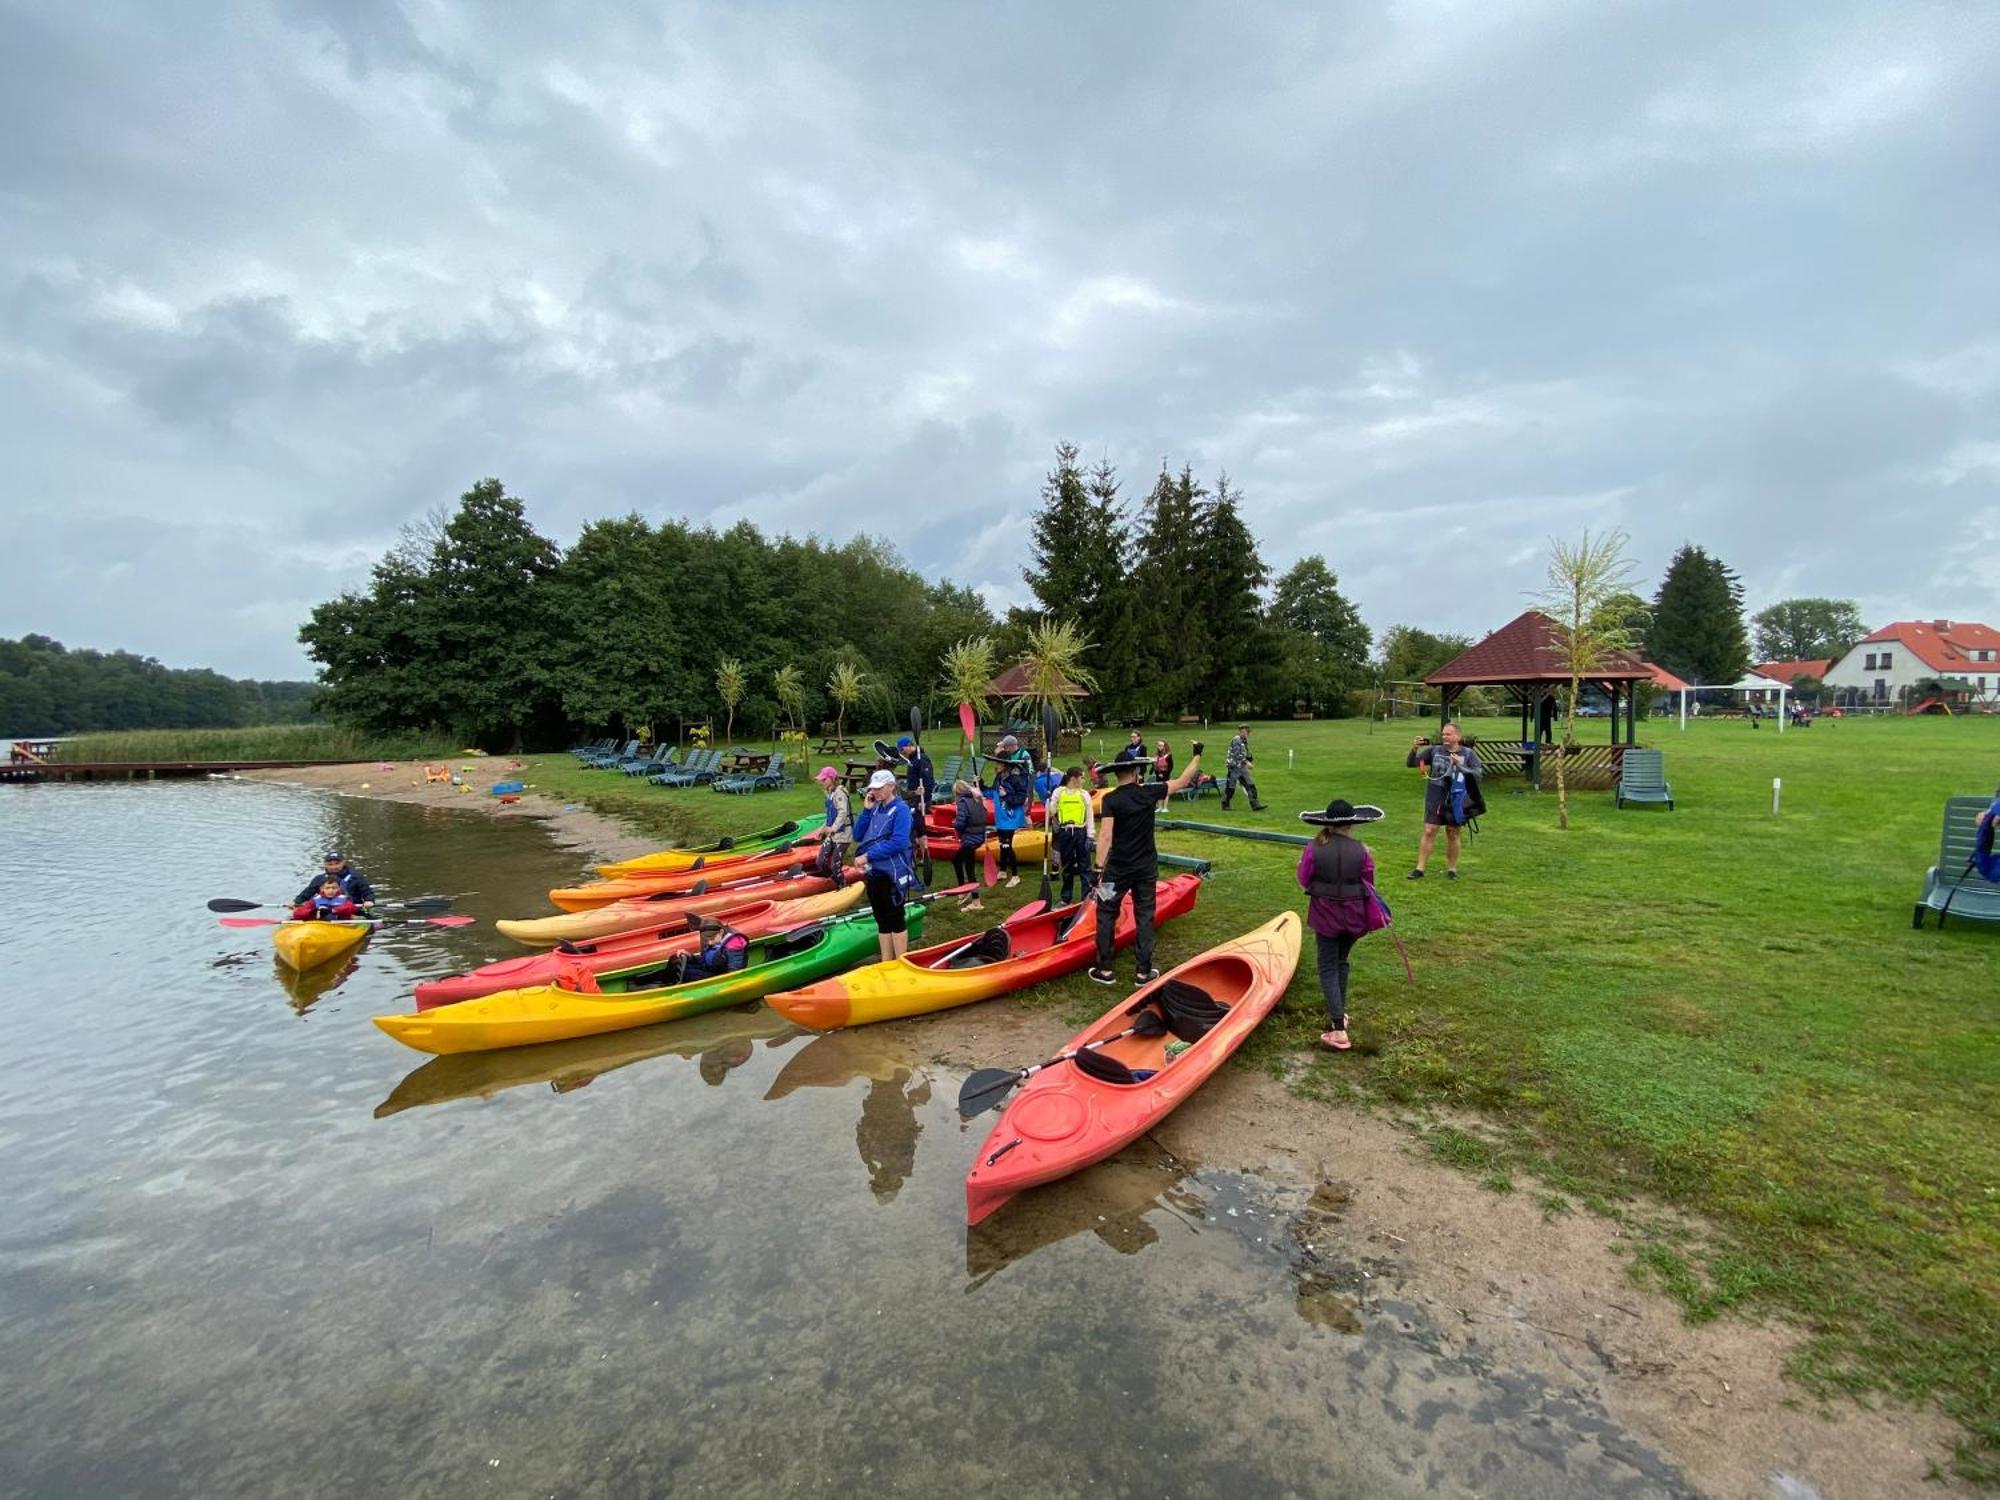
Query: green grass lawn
point(1713, 1007)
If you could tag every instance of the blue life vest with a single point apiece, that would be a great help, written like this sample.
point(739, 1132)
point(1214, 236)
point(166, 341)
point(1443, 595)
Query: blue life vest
point(1984, 857)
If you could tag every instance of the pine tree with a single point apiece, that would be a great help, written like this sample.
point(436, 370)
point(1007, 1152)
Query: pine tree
point(1078, 571)
point(1229, 576)
point(1697, 626)
point(1171, 656)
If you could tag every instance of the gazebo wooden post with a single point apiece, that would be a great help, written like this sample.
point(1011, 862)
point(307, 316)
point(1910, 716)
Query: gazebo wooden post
point(1522, 689)
point(1614, 712)
point(1632, 715)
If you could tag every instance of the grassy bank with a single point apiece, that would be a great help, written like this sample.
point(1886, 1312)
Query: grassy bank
point(1716, 1007)
point(266, 742)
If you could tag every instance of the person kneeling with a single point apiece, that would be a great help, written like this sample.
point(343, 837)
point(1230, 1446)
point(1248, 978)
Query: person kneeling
point(723, 950)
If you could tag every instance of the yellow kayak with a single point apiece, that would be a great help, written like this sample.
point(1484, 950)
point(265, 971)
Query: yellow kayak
point(724, 851)
point(811, 896)
point(307, 945)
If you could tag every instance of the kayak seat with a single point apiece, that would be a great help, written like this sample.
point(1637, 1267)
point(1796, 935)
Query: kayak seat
point(1189, 1010)
point(990, 947)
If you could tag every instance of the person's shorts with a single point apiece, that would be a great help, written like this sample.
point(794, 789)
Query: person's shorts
point(885, 899)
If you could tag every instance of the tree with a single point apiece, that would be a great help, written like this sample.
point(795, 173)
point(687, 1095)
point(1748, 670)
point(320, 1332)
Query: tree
point(1697, 629)
point(1167, 594)
point(731, 683)
point(788, 685)
point(1409, 655)
point(1583, 580)
point(845, 684)
point(1226, 587)
point(1052, 661)
point(1077, 554)
point(1323, 643)
point(1807, 629)
point(1628, 612)
point(1808, 688)
point(968, 667)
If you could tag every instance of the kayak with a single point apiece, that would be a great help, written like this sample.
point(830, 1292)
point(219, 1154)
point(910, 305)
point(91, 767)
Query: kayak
point(672, 882)
point(1063, 1119)
point(642, 913)
point(624, 999)
point(721, 851)
point(307, 945)
point(1029, 845)
point(655, 943)
point(1002, 959)
point(938, 819)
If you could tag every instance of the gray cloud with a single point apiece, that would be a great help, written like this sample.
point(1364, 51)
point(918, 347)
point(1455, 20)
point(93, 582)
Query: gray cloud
point(1432, 281)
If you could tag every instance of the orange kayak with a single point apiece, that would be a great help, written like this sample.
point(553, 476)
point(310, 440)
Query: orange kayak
point(674, 882)
point(1063, 1118)
point(642, 913)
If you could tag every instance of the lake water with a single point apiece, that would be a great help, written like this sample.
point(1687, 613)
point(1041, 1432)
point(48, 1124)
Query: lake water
point(252, 1246)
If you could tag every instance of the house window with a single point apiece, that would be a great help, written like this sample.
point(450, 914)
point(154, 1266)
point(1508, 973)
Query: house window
point(1885, 663)
point(1869, 664)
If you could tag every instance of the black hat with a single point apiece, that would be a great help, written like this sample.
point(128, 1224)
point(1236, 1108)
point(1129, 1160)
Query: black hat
point(1340, 813)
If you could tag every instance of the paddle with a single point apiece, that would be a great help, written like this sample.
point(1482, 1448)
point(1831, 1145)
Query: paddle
point(1050, 724)
point(916, 723)
point(421, 903)
point(989, 1086)
point(372, 921)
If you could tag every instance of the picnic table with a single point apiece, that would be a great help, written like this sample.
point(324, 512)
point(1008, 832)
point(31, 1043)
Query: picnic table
point(829, 745)
point(750, 760)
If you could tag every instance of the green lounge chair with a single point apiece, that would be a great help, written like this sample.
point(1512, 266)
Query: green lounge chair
point(1952, 888)
point(1642, 777)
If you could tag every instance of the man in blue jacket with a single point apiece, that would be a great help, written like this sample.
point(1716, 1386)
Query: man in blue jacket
point(882, 850)
point(918, 771)
point(352, 881)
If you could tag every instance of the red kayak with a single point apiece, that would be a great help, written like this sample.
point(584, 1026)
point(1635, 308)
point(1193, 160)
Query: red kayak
point(938, 819)
point(1069, 1114)
point(629, 950)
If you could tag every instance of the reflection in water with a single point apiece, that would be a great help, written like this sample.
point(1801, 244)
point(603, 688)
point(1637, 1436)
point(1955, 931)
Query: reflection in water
point(567, 1066)
point(1114, 1200)
point(305, 986)
point(886, 1134)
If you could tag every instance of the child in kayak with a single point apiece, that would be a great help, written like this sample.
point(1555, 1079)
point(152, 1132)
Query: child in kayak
point(328, 904)
point(1338, 871)
point(336, 867)
point(969, 822)
point(723, 950)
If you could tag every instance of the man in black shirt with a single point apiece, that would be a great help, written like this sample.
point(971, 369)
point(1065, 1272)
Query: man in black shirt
point(1128, 860)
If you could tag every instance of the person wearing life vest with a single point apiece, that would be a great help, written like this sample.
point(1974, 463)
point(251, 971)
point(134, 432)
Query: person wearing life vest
point(723, 950)
point(1337, 871)
point(1985, 837)
point(335, 867)
point(327, 904)
point(1012, 787)
point(969, 821)
point(1071, 824)
point(1133, 748)
point(838, 838)
point(918, 773)
point(882, 850)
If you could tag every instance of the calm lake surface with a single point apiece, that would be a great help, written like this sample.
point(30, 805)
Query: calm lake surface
point(252, 1246)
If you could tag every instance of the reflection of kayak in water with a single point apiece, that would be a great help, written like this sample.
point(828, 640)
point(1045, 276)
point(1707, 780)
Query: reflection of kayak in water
point(886, 1133)
point(839, 1057)
point(1113, 1201)
point(305, 986)
point(571, 1065)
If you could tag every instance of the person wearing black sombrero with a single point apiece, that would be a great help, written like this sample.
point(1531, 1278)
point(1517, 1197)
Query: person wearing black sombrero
point(1338, 871)
point(1128, 862)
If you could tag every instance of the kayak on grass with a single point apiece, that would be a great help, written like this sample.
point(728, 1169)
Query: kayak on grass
point(1064, 1118)
point(672, 882)
point(644, 912)
point(1018, 953)
point(657, 941)
point(549, 1013)
point(307, 945)
point(938, 819)
point(720, 852)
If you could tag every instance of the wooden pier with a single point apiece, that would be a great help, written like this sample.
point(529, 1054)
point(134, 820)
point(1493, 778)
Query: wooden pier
point(28, 760)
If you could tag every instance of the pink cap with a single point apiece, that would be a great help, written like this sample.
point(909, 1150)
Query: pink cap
point(827, 773)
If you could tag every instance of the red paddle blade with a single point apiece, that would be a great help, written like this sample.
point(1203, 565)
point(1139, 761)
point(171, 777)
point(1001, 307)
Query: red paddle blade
point(970, 725)
point(247, 921)
point(448, 921)
point(992, 866)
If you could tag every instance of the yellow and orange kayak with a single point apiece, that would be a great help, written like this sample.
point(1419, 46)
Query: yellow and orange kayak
point(307, 945)
point(814, 895)
point(713, 856)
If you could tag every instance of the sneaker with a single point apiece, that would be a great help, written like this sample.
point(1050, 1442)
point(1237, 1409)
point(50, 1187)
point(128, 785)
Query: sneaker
point(972, 906)
point(1451, 874)
point(1414, 875)
point(1259, 806)
point(1146, 976)
point(1104, 976)
point(1013, 880)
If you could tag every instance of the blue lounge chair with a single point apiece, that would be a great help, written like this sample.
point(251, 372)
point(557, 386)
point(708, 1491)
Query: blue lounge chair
point(652, 765)
point(1642, 777)
point(611, 758)
point(685, 773)
point(1952, 887)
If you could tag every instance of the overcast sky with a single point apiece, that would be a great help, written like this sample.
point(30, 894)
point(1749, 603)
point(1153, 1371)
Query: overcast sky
point(1431, 280)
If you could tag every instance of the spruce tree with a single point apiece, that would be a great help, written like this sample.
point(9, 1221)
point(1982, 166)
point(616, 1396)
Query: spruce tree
point(1078, 565)
point(1697, 626)
point(1171, 649)
point(1229, 575)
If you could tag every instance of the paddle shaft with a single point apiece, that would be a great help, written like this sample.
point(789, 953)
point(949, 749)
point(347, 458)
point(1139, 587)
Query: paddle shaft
point(976, 1101)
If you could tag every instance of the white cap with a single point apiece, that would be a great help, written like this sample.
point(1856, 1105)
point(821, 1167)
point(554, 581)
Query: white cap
point(881, 779)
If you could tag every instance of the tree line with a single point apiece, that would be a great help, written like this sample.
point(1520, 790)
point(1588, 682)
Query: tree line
point(48, 689)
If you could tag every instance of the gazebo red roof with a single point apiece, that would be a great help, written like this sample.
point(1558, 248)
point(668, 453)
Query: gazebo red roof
point(1013, 683)
point(1525, 650)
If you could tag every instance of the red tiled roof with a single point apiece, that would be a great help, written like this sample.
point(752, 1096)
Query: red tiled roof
point(1663, 678)
point(1013, 683)
point(1791, 671)
point(1525, 650)
point(1941, 645)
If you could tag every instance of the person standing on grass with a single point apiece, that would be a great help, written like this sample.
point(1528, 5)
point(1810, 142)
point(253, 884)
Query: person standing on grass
point(1338, 871)
point(882, 850)
point(1163, 762)
point(1452, 768)
point(919, 774)
point(969, 822)
point(1071, 824)
point(1240, 762)
point(838, 838)
point(1012, 787)
point(1128, 862)
point(1134, 748)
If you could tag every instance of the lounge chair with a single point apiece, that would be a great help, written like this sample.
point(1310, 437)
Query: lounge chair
point(1952, 888)
point(652, 765)
point(949, 773)
point(611, 758)
point(751, 781)
point(1642, 777)
point(713, 769)
point(595, 747)
point(685, 773)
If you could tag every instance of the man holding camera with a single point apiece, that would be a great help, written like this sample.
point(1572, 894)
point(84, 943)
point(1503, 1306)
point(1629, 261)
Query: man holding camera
point(1451, 794)
point(1128, 861)
point(1239, 762)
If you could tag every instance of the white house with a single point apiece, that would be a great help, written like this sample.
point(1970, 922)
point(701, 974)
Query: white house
point(1892, 661)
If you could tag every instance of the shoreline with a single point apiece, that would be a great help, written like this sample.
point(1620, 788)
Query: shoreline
point(1382, 1227)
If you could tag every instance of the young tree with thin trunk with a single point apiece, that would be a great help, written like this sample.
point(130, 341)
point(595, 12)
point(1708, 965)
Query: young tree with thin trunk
point(845, 684)
point(788, 686)
point(1053, 661)
point(731, 683)
point(968, 667)
point(1583, 577)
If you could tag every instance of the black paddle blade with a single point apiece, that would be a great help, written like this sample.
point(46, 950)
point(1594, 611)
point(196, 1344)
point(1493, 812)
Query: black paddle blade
point(884, 750)
point(226, 903)
point(425, 903)
point(1047, 893)
point(985, 1089)
point(916, 723)
point(1051, 725)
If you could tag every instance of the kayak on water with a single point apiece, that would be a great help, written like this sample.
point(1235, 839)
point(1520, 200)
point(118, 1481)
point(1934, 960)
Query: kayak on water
point(622, 1000)
point(1018, 953)
point(1070, 1113)
point(654, 943)
point(721, 851)
point(671, 882)
point(640, 913)
point(307, 945)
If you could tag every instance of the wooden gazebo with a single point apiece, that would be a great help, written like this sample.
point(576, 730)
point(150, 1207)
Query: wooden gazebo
point(1524, 659)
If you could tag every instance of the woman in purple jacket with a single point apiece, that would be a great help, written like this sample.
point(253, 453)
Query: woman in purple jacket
point(1338, 871)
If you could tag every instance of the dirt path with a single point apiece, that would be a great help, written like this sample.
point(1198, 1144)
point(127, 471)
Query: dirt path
point(1544, 1297)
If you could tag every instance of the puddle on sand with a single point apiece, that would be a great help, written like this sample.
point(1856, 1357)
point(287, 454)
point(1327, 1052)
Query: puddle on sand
point(248, 1256)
